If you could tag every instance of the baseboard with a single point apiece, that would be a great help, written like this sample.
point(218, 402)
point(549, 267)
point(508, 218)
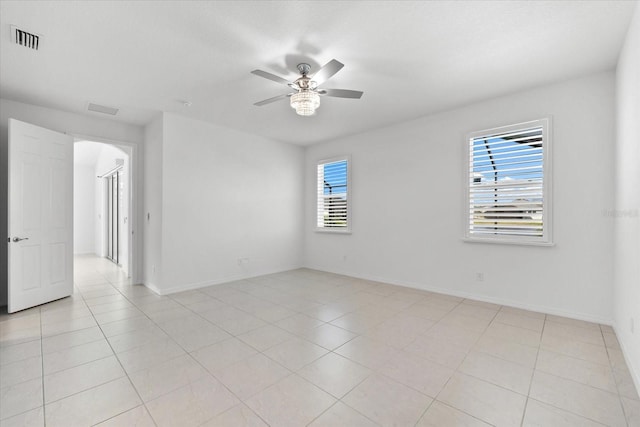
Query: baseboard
point(634, 370)
point(500, 301)
point(414, 285)
point(153, 287)
point(225, 279)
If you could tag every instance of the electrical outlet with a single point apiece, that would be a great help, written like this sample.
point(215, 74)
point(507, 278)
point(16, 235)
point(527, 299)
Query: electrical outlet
point(479, 277)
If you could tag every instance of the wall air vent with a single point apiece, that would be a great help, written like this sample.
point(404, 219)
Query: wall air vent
point(102, 109)
point(25, 38)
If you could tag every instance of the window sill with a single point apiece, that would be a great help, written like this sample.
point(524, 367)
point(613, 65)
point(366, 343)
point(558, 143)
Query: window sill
point(507, 242)
point(333, 230)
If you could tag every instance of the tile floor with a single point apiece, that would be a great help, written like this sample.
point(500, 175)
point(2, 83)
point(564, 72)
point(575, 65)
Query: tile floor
point(302, 348)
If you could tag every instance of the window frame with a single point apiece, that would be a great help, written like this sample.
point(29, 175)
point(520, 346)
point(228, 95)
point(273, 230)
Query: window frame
point(334, 230)
point(547, 185)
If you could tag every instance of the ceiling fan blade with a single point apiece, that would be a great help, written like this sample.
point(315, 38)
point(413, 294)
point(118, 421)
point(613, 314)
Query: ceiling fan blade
point(274, 99)
point(270, 76)
point(328, 70)
point(341, 93)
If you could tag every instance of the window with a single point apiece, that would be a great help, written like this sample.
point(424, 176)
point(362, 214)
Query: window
point(333, 195)
point(509, 184)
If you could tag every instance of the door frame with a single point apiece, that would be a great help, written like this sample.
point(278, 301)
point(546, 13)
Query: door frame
point(134, 181)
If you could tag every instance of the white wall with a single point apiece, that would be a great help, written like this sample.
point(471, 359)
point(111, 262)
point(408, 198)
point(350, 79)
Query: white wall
point(225, 195)
point(407, 204)
point(626, 215)
point(84, 212)
point(60, 121)
point(152, 211)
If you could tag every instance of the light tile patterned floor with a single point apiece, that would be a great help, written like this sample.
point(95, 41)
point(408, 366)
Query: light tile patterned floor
point(302, 348)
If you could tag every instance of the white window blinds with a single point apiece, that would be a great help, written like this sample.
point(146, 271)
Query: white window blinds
point(508, 184)
point(333, 199)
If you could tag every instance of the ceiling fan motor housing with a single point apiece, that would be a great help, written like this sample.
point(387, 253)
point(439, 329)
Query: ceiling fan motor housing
point(304, 68)
point(303, 83)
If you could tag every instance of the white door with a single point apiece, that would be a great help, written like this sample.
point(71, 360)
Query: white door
point(40, 215)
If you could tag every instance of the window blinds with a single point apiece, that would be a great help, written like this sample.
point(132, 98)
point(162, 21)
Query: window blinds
point(332, 206)
point(506, 188)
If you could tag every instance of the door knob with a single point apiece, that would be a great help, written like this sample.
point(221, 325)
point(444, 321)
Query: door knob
point(17, 239)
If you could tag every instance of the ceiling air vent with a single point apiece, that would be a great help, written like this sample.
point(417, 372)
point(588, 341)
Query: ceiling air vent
point(102, 109)
point(25, 38)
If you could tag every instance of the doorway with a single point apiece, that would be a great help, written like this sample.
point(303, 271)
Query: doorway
point(103, 205)
point(42, 167)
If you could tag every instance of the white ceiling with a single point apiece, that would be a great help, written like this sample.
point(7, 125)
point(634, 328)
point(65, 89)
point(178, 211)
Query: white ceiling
point(411, 58)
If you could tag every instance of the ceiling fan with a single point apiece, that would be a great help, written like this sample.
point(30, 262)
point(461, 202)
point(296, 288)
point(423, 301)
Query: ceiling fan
point(306, 96)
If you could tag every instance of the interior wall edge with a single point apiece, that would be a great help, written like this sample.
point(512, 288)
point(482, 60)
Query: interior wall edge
point(626, 251)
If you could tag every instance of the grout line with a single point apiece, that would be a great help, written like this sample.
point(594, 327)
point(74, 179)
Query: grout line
point(120, 363)
point(44, 407)
point(457, 369)
point(454, 370)
point(533, 371)
point(565, 379)
point(433, 400)
point(187, 353)
point(284, 287)
point(296, 336)
point(613, 376)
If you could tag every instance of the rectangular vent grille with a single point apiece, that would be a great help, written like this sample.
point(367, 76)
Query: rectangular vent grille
point(102, 109)
point(25, 38)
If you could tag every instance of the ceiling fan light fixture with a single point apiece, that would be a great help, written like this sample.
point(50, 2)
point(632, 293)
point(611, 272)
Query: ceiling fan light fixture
point(306, 96)
point(305, 102)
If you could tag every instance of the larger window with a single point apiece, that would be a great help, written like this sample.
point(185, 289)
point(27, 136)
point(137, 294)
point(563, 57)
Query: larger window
point(509, 184)
point(333, 195)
